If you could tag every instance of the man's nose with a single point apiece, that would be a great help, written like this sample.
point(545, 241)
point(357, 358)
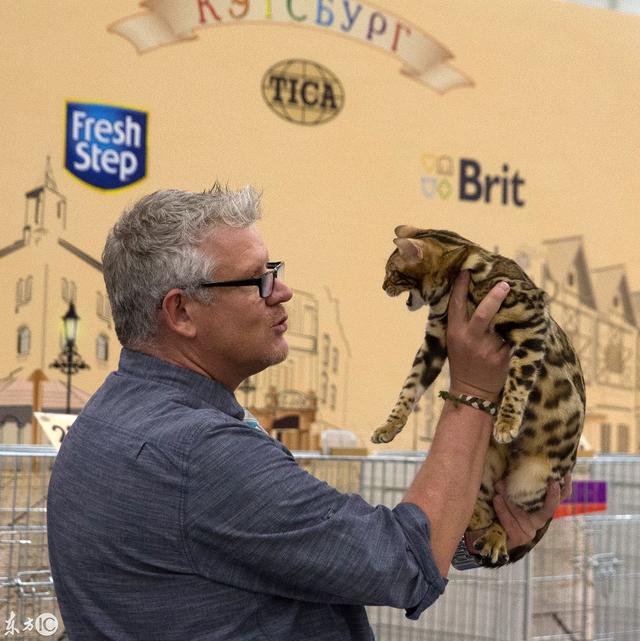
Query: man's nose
point(281, 293)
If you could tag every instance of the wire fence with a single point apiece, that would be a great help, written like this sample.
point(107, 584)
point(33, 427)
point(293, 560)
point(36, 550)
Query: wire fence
point(581, 583)
point(27, 597)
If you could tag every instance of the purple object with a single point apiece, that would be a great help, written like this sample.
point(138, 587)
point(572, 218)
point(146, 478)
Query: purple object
point(588, 492)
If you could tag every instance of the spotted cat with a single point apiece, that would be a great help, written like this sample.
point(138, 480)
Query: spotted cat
point(541, 412)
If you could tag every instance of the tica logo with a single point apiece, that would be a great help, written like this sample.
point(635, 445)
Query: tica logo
point(303, 92)
point(444, 178)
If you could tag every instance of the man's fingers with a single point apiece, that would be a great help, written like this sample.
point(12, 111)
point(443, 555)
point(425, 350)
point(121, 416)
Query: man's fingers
point(457, 312)
point(521, 526)
point(488, 307)
point(567, 490)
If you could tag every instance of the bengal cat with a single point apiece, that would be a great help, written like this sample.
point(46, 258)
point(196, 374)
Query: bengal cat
point(541, 411)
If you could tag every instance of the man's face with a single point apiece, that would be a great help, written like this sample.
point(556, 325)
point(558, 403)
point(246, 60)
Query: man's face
point(239, 333)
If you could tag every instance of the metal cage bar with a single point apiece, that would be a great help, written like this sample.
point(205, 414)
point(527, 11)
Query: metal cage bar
point(581, 583)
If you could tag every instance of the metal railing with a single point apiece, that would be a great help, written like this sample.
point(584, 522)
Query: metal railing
point(581, 583)
point(26, 588)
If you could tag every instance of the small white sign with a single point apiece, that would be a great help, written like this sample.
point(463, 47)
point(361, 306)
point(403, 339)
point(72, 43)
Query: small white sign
point(55, 426)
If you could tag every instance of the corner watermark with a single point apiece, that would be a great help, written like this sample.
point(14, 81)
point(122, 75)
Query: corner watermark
point(45, 624)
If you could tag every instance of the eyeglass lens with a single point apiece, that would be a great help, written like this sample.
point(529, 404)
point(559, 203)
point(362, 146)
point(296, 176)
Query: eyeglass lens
point(268, 281)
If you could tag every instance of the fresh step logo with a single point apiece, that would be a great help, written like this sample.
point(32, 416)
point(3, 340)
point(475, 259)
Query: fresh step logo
point(106, 146)
point(467, 179)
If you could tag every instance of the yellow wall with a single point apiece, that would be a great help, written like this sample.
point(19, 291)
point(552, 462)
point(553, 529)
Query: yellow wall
point(555, 94)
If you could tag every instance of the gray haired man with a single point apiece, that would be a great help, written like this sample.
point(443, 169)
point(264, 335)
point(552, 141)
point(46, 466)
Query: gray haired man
point(170, 518)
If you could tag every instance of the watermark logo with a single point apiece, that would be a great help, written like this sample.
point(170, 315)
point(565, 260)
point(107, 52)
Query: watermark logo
point(303, 92)
point(444, 177)
point(45, 624)
point(106, 146)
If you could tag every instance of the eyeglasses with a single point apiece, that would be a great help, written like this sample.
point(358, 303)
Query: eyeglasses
point(264, 283)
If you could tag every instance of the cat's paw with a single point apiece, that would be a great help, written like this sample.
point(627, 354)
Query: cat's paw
point(492, 545)
point(506, 430)
point(386, 433)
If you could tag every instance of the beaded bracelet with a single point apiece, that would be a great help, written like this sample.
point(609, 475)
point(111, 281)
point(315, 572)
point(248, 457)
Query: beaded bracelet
point(472, 401)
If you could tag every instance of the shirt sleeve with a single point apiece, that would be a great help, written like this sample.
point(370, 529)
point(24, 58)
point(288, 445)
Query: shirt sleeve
point(253, 518)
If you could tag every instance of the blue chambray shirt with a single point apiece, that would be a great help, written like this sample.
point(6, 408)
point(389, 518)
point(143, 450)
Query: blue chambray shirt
point(169, 519)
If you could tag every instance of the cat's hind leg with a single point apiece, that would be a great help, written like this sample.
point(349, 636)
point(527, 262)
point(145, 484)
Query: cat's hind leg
point(527, 481)
point(526, 484)
point(492, 545)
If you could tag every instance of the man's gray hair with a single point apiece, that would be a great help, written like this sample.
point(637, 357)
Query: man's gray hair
point(155, 246)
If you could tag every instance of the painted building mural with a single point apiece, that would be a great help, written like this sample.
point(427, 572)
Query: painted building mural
point(513, 124)
point(49, 272)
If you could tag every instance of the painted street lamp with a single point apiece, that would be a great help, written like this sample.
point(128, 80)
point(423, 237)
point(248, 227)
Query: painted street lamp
point(69, 360)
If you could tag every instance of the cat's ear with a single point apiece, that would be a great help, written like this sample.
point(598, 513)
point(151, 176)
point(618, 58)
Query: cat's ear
point(410, 249)
point(405, 231)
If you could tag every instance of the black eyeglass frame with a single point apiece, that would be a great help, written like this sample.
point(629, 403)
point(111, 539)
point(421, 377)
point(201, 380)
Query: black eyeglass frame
point(261, 282)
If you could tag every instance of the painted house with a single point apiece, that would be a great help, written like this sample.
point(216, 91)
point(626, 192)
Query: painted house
point(43, 273)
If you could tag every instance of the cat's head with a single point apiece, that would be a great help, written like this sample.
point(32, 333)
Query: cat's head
point(425, 264)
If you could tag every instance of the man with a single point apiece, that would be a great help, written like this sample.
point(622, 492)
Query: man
point(170, 518)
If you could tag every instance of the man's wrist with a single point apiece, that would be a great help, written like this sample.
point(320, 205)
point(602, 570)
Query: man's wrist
point(475, 402)
point(457, 389)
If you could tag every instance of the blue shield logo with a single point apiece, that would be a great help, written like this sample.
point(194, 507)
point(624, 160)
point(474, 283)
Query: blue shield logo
point(106, 146)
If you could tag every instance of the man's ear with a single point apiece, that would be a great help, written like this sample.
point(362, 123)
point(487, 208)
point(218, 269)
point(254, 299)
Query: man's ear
point(176, 313)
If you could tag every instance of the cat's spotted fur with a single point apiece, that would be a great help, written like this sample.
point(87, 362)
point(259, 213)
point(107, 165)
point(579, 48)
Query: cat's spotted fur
point(541, 413)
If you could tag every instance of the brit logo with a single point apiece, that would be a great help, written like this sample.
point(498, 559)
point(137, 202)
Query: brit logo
point(465, 178)
point(106, 146)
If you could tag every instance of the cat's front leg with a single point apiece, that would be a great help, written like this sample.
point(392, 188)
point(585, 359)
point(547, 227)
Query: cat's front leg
point(527, 353)
point(411, 392)
point(426, 366)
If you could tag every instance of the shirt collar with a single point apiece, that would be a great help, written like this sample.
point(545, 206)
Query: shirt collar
point(207, 389)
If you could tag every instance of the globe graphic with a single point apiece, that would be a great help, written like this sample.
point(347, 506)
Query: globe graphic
point(284, 81)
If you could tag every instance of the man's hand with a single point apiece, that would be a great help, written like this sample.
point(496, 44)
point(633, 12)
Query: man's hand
point(478, 358)
point(519, 525)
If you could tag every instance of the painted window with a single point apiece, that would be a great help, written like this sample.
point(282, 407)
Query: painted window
point(19, 292)
point(623, 438)
point(324, 384)
point(102, 347)
point(326, 349)
point(614, 356)
point(605, 438)
point(23, 291)
point(24, 340)
point(333, 397)
point(28, 286)
point(69, 291)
